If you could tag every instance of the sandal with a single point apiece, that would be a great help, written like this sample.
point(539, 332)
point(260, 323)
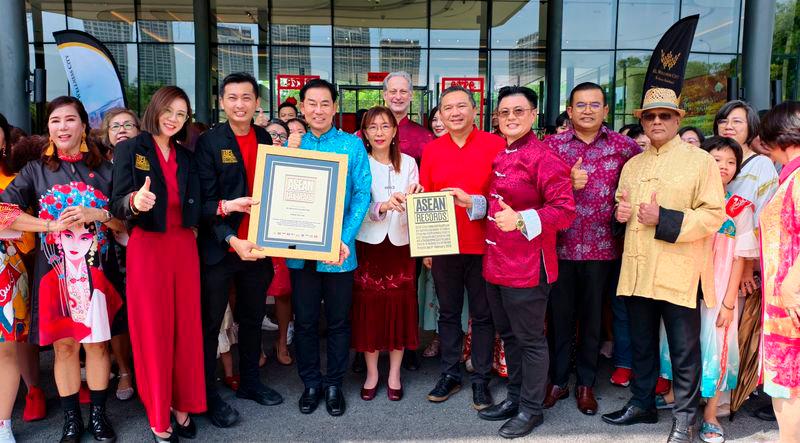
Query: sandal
point(711, 428)
point(125, 393)
point(284, 357)
point(432, 350)
point(232, 382)
point(661, 403)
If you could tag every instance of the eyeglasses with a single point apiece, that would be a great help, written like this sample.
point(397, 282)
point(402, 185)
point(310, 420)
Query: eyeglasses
point(181, 116)
point(733, 121)
point(663, 116)
point(594, 106)
point(373, 129)
point(127, 125)
point(278, 135)
point(518, 112)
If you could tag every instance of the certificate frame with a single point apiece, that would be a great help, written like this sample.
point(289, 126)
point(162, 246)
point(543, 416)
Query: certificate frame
point(432, 214)
point(301, 194)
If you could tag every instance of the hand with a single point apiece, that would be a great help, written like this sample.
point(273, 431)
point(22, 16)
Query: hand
point(578, 175)
point(415, 188)
point(624, 208)
point(506, 219)
point(427, 262)
point(794, 314)
point(648, 212)
point(144, 200)
point(725, 316)
point(395, 203)
point(748, 284)
point(241, 204)
point(244, 248)
point(56, 225)
point(461, 198)
point(344, 252)
point(261, 119)
point(79, 215)
point(294, 140)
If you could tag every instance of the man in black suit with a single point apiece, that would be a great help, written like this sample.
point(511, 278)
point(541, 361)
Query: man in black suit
point(226, 162)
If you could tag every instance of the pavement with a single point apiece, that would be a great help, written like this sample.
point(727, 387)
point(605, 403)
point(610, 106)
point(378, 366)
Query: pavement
point(412, 419)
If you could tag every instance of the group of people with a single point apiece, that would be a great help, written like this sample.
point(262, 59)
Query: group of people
point(677, 228)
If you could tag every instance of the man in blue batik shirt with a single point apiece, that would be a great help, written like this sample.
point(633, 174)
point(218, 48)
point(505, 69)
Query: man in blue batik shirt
point(314, 281)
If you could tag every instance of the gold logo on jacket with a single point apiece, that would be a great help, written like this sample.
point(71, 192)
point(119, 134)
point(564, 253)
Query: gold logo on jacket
point(669, 60)
point(142, 163)
point(228, 156)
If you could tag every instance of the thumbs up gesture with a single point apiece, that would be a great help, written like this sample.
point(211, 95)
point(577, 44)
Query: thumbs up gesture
point(261, 119)
point(648, 212)
point(624, 208)
point(578, 175)
point(144, 200)
point(506, 219)
point(294, 140)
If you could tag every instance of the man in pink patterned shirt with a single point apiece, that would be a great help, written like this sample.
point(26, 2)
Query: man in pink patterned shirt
point(588, 252)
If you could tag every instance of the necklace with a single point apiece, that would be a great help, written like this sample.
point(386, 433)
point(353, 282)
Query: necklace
point(70, 158)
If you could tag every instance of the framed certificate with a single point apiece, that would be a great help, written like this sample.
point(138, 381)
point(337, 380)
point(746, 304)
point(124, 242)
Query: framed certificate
point(432, 224)
point(302, 203)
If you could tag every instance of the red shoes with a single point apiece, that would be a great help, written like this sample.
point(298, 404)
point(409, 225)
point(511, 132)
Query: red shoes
point(663, 386)
point(232, 382)
point(394, 394)
point(35, 405)
point(621, 377)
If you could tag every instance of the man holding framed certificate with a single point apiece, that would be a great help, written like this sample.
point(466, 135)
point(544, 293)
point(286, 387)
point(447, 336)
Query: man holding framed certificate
point(315, 281)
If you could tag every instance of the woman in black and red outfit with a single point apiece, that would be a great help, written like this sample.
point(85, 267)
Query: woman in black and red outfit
point(156, 189)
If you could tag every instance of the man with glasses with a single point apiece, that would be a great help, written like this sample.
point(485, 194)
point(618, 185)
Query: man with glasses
point(588, 252)
point(226, 163)
point(670, 199)
point(461, 160)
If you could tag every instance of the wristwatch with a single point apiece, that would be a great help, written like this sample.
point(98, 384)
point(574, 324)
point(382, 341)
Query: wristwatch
point(520, 223)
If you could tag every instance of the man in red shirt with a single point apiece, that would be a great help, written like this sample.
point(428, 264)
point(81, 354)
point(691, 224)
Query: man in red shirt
point(462, 159)
point(397, 93)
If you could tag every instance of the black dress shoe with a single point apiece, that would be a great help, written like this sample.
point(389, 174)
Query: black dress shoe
point(631, 415)
point(73, 427)
point(520, 425)
point(261, 394)
point(680, 434)
point(173, 438)
point(334, 401)
point(221, 414)
point(310, 400)
point(765, 413)
point(500, 411)
point(410, 360)
point(359, 364)
point(186, 430)
point(481, 396)
point(99, 425)
point(445, 387)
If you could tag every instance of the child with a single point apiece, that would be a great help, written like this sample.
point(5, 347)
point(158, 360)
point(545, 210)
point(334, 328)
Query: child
point(719, 339)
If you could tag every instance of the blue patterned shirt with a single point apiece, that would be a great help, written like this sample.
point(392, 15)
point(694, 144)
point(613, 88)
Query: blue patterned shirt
point(357, 196)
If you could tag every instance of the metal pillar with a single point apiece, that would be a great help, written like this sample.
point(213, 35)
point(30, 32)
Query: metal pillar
point(552, 66)
point(202, 64)
point(14, 69)
point(759, 24)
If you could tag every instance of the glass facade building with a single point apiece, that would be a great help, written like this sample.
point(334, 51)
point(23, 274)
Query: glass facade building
point(502, 42)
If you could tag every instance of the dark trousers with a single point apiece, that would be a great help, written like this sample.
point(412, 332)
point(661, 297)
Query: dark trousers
point(251, 280)
point(451, 274)
point(682, 325)
point(518, 315)
point(577, 297)
point(309, 289)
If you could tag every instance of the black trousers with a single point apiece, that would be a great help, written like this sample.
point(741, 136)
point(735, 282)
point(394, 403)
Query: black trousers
point(519, 315)
point(451, 274)
point(309, 289)
point(251, 280)
point(683, 334)
point(577, 297)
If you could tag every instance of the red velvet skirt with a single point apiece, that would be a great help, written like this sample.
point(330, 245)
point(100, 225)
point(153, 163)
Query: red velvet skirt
point(280, 285)
point(384, 313)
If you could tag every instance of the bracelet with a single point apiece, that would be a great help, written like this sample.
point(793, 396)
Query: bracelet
point(130, 203)
point(221, 208)
point(47, 226)
point(726, 307)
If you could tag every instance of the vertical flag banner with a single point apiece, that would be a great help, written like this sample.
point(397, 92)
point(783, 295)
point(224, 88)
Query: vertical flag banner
point(668, 62)
point(92, 73)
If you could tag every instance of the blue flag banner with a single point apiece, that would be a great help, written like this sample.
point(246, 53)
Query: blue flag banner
point(92, 73)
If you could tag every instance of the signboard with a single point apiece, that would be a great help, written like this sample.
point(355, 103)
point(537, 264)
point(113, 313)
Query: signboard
point(476, 85)
point(376, 76)
point(290, 83)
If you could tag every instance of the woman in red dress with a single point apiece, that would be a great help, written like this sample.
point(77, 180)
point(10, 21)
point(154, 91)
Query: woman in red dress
point(157, 190)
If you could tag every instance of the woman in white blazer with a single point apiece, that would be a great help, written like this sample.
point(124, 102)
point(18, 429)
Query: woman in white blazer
point(384, 312)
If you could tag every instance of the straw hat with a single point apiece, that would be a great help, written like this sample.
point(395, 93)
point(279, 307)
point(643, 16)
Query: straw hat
point(660, 98)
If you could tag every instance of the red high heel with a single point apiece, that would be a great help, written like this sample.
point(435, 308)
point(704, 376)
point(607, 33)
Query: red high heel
point(35, 405)
point(369, 394)
point(394, 394)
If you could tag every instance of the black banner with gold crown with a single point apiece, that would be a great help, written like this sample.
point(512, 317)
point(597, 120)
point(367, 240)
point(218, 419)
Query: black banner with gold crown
point(668, 62)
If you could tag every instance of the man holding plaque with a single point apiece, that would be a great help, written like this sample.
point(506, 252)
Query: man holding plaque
point(315, 281)
point(226, 163)
point(462, 158)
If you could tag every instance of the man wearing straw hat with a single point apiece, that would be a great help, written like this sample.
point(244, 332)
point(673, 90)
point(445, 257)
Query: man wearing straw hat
point(671, 200)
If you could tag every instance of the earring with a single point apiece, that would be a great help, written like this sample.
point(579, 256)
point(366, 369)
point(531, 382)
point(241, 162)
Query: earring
point(51, 149)
point(84, 146)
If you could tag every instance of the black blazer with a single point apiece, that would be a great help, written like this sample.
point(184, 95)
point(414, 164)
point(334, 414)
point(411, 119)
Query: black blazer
point(135, 159)
point(222, 176)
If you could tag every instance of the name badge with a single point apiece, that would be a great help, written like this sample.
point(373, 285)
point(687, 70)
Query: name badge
point(228, 156)
point(142, 163)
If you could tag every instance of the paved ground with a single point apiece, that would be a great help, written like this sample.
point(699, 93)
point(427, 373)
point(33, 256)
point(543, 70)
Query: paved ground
point(413, 418)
